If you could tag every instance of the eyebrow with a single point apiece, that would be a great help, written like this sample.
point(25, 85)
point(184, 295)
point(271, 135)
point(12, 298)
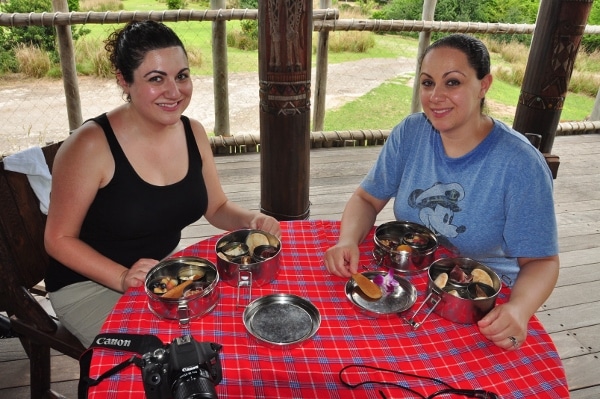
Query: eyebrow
point(163, 73)
point(445, 74)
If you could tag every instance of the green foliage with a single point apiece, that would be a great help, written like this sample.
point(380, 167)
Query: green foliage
point(8, 62)
point(251, 4)
point(40, 36)
point(176, 4)
point(591, 43)
point(505, 11)
point(247, 39)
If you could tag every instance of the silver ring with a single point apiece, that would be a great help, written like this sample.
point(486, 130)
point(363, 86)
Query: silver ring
point(514, 341)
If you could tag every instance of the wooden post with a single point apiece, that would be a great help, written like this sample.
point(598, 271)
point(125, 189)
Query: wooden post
point(424, 40)
point(220, 74)
point(284, 54)
point(556, 38)
point(321, 75)
point(66, 50)
point(595, 115)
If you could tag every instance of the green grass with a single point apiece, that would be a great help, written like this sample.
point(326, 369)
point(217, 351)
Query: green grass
point(384, 106)
point(381, 108)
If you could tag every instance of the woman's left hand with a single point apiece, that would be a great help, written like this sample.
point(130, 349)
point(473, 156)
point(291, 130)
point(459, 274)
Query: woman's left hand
point(266, 223)
point(505, 326)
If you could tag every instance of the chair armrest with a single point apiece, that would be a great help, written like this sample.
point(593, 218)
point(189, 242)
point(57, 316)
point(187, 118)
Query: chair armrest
point(553, 162)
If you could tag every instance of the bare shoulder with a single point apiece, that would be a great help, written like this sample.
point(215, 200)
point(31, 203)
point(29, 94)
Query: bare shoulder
point(201, 136)
point(198, 129)
point(84, 148)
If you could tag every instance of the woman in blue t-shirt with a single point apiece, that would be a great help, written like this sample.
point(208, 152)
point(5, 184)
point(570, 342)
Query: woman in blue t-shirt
point(478, 184)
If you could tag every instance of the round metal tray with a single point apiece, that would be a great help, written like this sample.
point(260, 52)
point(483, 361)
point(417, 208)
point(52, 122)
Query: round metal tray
point(280, 320)
point(403, 297)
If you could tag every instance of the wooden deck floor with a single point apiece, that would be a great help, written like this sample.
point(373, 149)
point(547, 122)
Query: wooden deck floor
point(571, 315)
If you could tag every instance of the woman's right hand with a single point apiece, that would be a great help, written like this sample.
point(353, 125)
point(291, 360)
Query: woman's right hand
point(342, 259)
point(136, 276)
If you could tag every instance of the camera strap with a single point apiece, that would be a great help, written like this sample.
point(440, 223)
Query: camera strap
point(135, 343)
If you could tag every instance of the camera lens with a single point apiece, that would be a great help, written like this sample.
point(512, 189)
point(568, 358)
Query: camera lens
point(194, 389)
point(155, 379)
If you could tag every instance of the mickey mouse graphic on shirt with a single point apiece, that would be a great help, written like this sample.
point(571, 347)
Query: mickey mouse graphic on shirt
point(437, 206)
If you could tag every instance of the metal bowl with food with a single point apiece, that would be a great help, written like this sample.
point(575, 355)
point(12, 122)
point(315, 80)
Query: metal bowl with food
point(461, 290)
point(406, 247)
point(390, 304)
point(247, 258)
point(182, 288)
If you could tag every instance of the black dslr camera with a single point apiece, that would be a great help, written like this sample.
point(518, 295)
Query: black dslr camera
point(184, 369)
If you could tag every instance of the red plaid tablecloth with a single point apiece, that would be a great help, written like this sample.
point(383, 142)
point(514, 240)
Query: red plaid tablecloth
point(457, 354)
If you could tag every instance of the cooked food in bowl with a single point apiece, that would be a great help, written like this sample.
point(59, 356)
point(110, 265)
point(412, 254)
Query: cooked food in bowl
point(404, 246)
point(182, 288)
point(248, 257)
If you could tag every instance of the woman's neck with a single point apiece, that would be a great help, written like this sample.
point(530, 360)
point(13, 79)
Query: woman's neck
point(457, 144)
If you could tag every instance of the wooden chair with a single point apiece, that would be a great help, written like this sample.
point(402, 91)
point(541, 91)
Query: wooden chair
point(23, 263)
point(552, 160)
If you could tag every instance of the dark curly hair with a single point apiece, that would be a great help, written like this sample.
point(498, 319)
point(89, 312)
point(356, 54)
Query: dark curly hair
point(128, 46)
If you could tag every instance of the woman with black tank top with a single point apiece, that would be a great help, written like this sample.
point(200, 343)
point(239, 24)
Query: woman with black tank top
point(128, 181)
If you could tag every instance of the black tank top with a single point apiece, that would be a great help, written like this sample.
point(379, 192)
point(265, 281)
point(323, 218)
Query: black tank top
point(131, 219)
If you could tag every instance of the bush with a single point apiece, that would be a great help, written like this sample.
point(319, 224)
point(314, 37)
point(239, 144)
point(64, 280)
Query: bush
point(8, 62)
point(247, 38)
point(101, 5)
point(351, 41)
point(176, 4)
point(33, 61)
point(91, 58)
point(39, 36)
point(584, 83)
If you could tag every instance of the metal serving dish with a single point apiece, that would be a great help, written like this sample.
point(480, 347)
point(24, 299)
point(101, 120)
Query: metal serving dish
point(460, 302)
point(281, 320)
point(244, 262)
point(198, 299)
point(403, 297)
point(406, 247)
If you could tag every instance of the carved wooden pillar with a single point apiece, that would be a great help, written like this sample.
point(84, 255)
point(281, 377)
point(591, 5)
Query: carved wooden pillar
point(285, 36)
point(556, 38)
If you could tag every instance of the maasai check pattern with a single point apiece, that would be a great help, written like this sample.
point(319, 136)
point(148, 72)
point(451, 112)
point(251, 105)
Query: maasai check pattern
point(457, 354)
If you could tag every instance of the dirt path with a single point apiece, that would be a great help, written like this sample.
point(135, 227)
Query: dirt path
point(33, 111)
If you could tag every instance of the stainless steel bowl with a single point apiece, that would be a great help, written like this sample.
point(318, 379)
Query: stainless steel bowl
point(281, 320)
point(406, 247)
point(257, 266)
point(203, 293)
point(390, 305)
point(457, 301)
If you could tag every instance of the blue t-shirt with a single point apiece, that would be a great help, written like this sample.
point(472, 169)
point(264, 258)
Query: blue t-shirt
point(494, 204)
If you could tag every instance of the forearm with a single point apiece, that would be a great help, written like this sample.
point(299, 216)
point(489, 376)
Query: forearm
point(83, 259)
point(535, 282)
point(357, 220)
point(230, 216)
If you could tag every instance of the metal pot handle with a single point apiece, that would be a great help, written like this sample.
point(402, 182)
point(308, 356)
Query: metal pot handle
point(379, 256)
point(435, 300)
point(183, 314)
point(244, 280)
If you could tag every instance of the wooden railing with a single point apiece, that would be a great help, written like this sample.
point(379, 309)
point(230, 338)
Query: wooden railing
point(324, 21)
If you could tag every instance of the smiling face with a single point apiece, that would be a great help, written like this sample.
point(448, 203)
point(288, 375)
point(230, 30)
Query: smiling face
point(451, 94)
point(162, 88)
